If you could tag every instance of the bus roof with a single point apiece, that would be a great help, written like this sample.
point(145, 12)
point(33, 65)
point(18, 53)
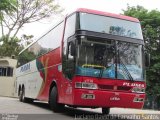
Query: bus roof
point(107, 14)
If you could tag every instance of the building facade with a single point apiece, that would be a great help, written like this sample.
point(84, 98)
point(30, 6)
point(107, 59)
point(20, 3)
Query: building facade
point(7, 77)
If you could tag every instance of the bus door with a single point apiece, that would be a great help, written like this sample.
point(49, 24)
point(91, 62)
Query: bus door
point(68, 66)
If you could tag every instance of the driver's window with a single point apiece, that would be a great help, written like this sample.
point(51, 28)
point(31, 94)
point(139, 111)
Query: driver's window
point(69, 63)
point(85, 54)
point(99, 53)
point(68, 59)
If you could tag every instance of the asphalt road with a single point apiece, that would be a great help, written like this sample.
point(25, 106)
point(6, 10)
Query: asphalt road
point(12, 109)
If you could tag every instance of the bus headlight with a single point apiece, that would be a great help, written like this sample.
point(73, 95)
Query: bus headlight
point(138, 90)
point(85, 85)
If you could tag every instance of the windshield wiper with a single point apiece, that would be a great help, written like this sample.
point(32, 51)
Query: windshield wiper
point(127, 71)
point(125, 68)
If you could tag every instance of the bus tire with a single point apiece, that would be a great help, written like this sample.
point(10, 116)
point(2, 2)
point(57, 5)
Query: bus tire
point(28, 100)
point(25, 99)
point(105, 111)
point(20, 95)
point(53, 101)
point(23, 95)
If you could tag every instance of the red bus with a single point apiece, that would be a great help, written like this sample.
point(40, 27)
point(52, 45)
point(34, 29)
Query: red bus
point(90, 59)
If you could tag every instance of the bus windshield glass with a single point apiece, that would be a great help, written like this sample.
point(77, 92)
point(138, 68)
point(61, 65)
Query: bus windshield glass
point(109, 25)
point(109, 59)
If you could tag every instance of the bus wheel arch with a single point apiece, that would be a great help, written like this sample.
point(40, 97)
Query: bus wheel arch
point(53, 84)
point(53, 98)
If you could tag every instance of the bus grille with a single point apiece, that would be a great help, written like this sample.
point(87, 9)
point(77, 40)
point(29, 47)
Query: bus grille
point(112, 87)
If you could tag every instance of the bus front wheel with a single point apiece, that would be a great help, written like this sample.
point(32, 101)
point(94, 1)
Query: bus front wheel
point(53, 101)
point(105, 111)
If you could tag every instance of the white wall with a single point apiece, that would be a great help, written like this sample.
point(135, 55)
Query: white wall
point(7, 84)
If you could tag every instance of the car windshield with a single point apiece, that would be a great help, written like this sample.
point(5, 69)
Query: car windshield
point(109, 59)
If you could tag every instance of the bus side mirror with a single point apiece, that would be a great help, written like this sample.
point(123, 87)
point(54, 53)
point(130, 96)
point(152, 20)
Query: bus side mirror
point(72, 49)
point(147, 59)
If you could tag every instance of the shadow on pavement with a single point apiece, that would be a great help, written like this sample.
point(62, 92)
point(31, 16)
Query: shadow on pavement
point(79, 114)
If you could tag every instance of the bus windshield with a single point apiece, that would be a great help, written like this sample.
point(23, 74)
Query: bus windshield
point(110, 59)
point(109, 25)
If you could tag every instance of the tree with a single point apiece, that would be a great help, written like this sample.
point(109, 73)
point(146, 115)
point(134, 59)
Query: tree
point(6, 6)
point(27, 11)
point(10, 47)
point(150, 21)
point(26, 40)
point(14, 14)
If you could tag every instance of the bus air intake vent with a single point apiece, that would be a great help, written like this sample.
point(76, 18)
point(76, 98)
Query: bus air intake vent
point(106, 87)
point(123, 88)
point(112, 87)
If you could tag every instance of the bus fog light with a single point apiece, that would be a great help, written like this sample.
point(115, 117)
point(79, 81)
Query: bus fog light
point(141, 99)
point(138, 99)
point(88, 96)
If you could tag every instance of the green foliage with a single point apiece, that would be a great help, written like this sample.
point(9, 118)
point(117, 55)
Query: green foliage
point(150, 21)
point(14, 14)
point(7, 6)
point(26, 40)
point(26, 57)
point(9, 47)
point(22, 12)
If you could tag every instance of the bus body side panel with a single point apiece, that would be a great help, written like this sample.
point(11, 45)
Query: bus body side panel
point(37, 75)
point(28, 76)
point(48, 66)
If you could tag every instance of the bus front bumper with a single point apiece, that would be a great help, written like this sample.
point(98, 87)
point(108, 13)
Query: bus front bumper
point(98, 98)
